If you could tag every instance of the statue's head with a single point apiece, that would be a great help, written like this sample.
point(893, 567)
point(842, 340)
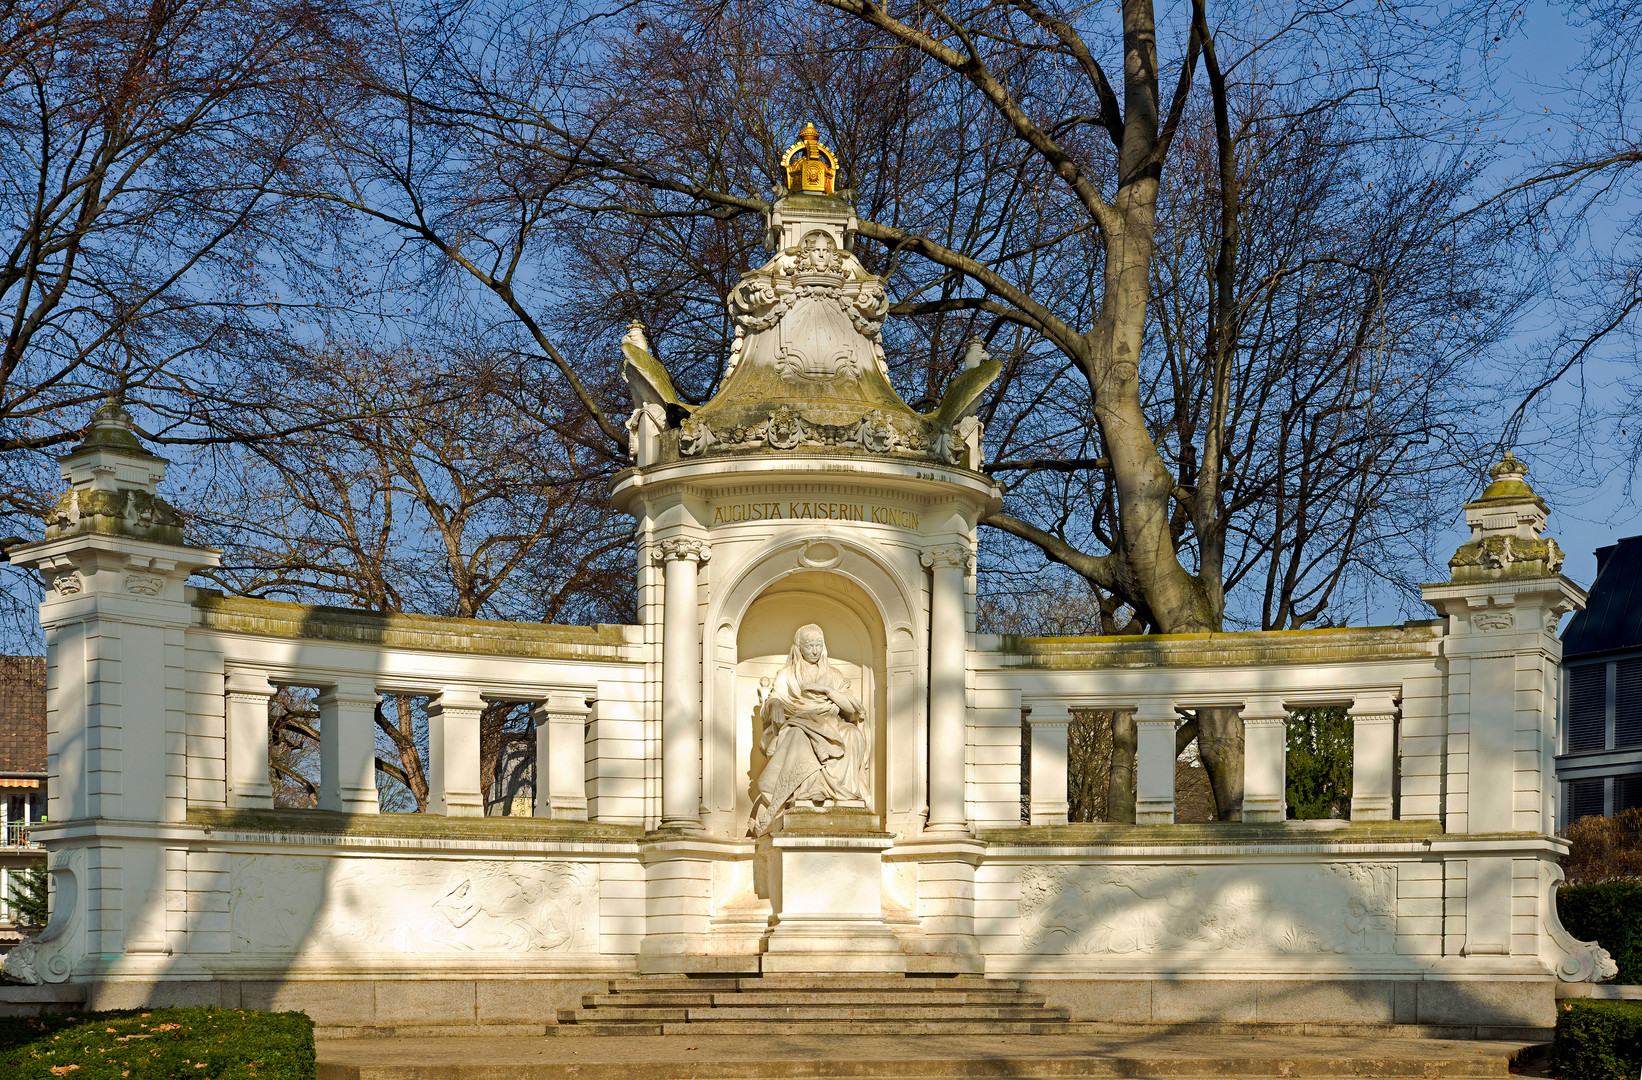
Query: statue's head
point(810, 643)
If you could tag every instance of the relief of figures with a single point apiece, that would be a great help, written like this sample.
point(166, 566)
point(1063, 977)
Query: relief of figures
point(1347, 909)
point(297, 904)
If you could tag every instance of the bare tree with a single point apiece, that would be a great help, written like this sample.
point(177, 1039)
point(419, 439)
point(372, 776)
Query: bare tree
point(426, 488)
point(143, 236)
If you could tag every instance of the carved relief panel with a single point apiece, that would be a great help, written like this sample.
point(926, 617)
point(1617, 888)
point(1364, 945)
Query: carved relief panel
point(1336, 908)
point(289, 904)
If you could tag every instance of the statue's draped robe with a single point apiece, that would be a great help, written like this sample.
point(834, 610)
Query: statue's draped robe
point(814, 752)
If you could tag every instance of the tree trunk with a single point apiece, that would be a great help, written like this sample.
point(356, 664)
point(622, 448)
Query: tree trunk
point(1220, 744)
point(1120, 787)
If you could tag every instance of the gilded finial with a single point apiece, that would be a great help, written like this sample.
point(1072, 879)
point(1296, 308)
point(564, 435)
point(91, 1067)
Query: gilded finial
point(809, 165)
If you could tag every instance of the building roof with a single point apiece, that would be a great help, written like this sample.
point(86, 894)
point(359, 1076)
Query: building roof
point(23, 714)
point(1612, 619)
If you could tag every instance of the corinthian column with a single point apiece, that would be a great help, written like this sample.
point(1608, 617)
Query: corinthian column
point(947, 660)
point(680, 682)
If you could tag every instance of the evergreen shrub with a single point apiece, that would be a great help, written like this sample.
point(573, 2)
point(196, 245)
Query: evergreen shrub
point(1609, 914)
point(159, 1044)
point(1598, 1040)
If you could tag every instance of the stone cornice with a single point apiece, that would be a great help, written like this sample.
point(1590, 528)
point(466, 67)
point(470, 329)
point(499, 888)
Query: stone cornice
point(1414, 640)
point(275, 618)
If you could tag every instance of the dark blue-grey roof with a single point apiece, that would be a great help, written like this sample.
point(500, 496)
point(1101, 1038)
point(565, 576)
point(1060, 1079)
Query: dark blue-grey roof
point(1612, 619)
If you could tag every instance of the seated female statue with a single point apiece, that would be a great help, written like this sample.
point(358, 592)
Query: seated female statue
point(813, 732)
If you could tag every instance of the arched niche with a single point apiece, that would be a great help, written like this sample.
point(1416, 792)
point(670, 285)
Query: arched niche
point(854, 630)
point(867, 612)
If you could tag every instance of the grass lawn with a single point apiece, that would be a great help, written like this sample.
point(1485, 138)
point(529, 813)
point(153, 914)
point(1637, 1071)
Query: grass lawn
point(159, 1044)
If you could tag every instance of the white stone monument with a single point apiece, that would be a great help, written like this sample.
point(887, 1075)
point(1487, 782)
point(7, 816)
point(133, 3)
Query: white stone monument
point(802, 758)
point(806, 506)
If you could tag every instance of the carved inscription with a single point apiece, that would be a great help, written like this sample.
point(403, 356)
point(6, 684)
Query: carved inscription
point(797, 510)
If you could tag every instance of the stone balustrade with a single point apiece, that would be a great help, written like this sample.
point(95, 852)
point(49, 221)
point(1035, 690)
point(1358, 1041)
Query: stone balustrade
point(1373, 712)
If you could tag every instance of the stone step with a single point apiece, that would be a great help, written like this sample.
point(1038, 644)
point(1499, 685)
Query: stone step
point(704, 1028)
point(814, 983)
point(619, 1015)
point(814, 1013)
point(896, 1012)
point(864, 1027)
point(675, 998)
point(990, 1056)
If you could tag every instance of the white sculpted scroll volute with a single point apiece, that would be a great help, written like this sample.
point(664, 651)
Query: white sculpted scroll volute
point(813, 732)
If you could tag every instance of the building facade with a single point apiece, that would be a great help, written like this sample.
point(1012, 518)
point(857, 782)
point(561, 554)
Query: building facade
point(22, 778)
point(1599, 764)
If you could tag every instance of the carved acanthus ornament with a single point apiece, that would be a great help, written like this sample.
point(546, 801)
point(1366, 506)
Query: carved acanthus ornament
point(953, 555)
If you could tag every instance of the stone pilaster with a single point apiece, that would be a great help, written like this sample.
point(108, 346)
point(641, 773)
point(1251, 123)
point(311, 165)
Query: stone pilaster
point(1155, 723)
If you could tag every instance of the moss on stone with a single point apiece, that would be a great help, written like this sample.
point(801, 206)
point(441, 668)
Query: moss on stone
point(277, 618)
point(410, 826)
point(1112, 834)
point(1330, 644)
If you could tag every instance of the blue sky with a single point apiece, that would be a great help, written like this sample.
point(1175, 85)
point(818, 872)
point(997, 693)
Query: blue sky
point(1590, 505)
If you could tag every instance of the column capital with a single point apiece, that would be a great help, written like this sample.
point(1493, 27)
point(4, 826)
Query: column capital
point(680, 548)
point(248, 684)
point(458, 699)
point(350, 692)
point(1380, 705)
point(566, 703)
point(1048, 714)
point(1156, 711)
point(1264, 710)
point(958, 555)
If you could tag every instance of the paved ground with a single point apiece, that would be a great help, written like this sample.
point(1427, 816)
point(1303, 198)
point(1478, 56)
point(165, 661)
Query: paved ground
point(1050, 1057)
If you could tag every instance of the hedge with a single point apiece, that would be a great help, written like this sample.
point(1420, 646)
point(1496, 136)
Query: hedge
point(1598, 1040)
point(1611, 915)
point(159, 1044)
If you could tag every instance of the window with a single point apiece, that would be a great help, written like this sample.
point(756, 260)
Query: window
point(1587, 709)
point(1627, 792)
point(1627, 715)
point(1585, 799)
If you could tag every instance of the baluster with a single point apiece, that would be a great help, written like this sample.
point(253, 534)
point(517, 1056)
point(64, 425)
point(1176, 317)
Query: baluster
point(347, 747)
point(1049, 722)
point(1373, 756)
point(1155, 722)
point(1265, 760)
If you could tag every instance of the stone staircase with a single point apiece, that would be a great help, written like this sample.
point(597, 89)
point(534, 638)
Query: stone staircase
point(814, 1005)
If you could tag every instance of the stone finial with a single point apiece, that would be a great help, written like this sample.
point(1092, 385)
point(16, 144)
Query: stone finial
point(113, 484)
point(635, 336)
point(1506, 521)
point(976, 354)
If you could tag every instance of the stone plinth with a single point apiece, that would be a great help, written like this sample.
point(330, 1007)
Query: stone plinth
point(826, 887)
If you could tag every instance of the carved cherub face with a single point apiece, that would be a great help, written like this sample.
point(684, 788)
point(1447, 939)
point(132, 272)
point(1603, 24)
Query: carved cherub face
point(810, 646)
